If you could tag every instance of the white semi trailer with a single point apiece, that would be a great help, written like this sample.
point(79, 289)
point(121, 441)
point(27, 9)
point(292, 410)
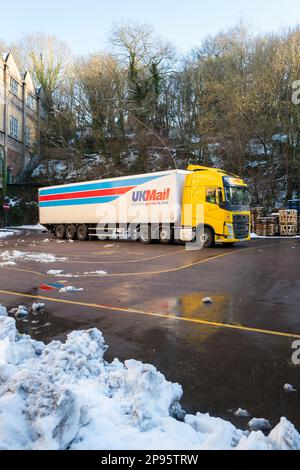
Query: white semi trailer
point(123, 206)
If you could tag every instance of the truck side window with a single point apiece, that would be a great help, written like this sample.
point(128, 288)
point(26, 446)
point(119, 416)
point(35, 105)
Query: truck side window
point(220, 197)
point(211, 196)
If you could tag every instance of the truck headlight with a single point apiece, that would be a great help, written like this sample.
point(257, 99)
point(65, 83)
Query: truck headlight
point(230, 230)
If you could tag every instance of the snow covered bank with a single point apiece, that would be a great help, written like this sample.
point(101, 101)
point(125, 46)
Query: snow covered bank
point(66, 396)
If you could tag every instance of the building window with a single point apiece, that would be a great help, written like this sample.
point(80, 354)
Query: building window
point(30, 101)
point(27, 135)
point(14, 86)
point(14, 127)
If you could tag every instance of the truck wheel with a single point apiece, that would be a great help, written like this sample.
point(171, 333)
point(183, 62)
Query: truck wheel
point(71, 232)
point(165, 235)
point(60, 232)
point(134, 234)
point(145, 234)
point(207, 238)
point(82, 232)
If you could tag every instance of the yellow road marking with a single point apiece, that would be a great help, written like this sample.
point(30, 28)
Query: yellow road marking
point(179, 268)
point(162, 271)
point(24, 271)
point(125, 261)
point(150, 273)
point(154, 314)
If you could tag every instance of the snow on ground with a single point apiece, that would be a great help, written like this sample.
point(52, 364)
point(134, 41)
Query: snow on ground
point(70, 289)
point(14, 255)
point(6, 234)
point(37, 307)
point(254, 236)
point(60, 273)
point(240, 413)
point(289, 388)
point(8, 263)
point(37, 227)
point(101, 273)
point(66, 396)
point(259, 424)
point(55, 272)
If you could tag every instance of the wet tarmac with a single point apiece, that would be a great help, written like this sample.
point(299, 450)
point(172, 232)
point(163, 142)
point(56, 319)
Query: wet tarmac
point(235, 352)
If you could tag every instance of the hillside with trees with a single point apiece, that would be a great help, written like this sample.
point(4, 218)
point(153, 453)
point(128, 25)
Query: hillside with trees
point(140, 106)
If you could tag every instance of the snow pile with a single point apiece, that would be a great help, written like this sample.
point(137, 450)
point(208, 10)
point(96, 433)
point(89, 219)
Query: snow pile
point(20, 312)
point(14, 255)
point(6, 234)
point(66, 396)
point(70, 289)
point(37, 307)
point(8, 263)
point(259, 424)
point(240, 413)
point(289, 388)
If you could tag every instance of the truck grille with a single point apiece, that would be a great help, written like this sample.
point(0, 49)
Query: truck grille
point(241, 226)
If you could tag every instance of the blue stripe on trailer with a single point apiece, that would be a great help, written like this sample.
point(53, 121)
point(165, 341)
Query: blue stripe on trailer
point(105, 185)
point(79, 202)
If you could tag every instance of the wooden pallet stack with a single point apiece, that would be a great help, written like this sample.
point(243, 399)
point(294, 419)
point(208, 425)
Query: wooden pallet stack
point(276, 220)
point(288, 220)
point(266, 226)
point(256, 212)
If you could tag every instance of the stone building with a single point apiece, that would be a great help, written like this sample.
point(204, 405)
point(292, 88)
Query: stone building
point(21, 115)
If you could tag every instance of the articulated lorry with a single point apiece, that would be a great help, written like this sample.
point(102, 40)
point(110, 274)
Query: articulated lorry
point(166, 206)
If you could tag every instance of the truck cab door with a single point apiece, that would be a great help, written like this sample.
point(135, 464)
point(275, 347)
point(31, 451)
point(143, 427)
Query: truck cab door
point(214, 214)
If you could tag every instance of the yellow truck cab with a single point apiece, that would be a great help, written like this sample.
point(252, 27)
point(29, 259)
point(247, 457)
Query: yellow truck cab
point(225, 199)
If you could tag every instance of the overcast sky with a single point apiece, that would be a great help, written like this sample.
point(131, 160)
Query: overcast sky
point(85, 24)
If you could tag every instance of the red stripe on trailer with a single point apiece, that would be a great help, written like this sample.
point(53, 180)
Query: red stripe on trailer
point(80, 194)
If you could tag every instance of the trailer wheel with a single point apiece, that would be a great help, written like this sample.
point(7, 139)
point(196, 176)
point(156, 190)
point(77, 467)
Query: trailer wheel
point(60, 232)
point(71, 232)
point(165, 235)
point(82, 232)
point(145, 234)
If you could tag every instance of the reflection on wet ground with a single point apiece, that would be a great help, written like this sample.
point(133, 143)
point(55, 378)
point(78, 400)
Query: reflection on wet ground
point(190, 306)
point(43, 326)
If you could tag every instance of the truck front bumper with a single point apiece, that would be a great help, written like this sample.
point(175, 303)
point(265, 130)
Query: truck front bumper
point(226, 239)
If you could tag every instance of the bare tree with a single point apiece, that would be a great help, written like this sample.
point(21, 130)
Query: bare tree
point(47, 58)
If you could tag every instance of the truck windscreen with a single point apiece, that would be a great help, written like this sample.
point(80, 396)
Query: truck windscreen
point(237, 198)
